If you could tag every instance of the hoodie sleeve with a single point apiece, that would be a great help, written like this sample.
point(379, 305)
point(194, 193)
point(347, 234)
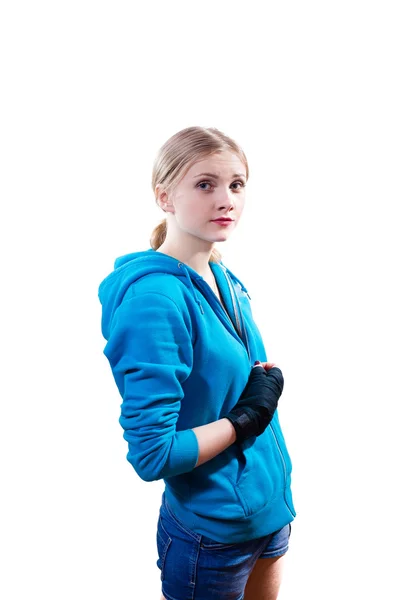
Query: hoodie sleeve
point(151, 354)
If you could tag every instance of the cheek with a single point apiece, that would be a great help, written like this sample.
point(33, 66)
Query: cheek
point(199, 210)
point(239, 206)
point(193, 215)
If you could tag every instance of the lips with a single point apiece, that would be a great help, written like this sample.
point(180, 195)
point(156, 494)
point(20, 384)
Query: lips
point(222, 222)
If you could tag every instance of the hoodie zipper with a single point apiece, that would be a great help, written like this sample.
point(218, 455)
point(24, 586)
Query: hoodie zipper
point(239, 320)
point(283, 463)
point(232, 292)
point(235, 306)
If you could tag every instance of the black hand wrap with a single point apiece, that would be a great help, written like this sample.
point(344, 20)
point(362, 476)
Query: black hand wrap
point(257, 404)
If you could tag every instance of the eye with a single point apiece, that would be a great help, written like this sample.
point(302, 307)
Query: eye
point(241, 185)
point(204, 183)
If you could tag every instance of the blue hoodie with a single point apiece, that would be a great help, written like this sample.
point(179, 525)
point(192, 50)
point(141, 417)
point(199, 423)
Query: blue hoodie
point(180, 362)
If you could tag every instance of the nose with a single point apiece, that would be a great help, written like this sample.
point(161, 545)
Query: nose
point(226, 200)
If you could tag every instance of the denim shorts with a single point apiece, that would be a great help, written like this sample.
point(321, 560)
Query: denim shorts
point(195, 567)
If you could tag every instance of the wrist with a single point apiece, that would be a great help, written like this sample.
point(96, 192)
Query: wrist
point(231, 429)
point(243, 422)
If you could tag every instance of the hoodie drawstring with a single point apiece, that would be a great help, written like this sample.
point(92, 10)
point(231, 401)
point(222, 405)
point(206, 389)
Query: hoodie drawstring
point(234, 278)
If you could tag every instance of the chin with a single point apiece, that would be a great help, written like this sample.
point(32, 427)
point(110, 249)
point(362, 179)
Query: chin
point(217, 239)
point(222, 237)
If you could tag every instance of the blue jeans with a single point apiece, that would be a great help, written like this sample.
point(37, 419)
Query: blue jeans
point(195, 567)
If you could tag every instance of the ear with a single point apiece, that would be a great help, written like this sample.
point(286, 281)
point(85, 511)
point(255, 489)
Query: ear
point(164, 199)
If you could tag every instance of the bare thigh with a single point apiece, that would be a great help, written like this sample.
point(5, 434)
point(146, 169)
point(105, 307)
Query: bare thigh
point(265, 579)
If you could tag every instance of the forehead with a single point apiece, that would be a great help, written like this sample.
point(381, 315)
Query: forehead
point(223, 164)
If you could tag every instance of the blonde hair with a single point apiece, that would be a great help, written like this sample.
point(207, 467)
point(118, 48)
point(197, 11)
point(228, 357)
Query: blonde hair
point(177, 155)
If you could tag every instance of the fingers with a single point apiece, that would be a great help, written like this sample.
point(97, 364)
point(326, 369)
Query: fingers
point(266, 365)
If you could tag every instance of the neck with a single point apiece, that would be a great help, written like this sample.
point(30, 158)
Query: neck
point(195, 254)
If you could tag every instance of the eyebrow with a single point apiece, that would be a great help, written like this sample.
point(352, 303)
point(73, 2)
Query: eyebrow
point(217, 176)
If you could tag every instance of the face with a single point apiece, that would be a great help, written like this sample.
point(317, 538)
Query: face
point(212, 189)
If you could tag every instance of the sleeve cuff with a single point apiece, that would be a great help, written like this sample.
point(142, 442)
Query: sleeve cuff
point(183, 454)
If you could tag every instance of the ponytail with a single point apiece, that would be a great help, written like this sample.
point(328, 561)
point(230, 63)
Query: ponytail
point(159, 234)
point(215, 256)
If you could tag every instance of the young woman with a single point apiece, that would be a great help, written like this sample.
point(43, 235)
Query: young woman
point(199, 397)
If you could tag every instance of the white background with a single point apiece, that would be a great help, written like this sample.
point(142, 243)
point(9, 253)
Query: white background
point(90, 91)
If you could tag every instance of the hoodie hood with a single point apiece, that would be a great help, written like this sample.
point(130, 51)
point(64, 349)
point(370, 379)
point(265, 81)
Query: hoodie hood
point(129, 268)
